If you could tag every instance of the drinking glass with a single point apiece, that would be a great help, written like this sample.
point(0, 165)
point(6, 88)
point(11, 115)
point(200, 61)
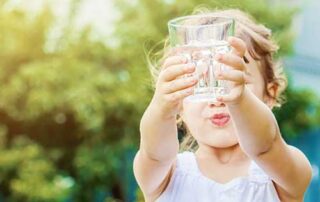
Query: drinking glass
point(199, 38)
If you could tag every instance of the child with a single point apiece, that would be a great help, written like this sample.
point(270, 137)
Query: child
point(236, 152)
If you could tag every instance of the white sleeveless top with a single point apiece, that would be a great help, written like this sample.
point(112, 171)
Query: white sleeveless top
point(187, 184)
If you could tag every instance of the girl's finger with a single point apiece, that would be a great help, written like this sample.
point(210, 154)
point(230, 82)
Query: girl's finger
point(239, 46)
point(231, 60)
point(174, 60)
point(179, 84)
point(231, 75)
point(175, 71)
point(179, 95)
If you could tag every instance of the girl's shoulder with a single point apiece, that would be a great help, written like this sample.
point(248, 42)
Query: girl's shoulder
point(185, 156)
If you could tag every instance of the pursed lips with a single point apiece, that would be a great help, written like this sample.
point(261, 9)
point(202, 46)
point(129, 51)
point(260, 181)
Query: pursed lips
point(220, 119)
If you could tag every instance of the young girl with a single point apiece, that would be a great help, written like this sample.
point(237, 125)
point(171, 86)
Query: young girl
point(236, 152)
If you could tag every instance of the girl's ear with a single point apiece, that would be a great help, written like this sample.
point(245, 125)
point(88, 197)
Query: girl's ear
point(272, 89)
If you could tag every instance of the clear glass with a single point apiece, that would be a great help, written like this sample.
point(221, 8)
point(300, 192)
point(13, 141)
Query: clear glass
point(199, 38)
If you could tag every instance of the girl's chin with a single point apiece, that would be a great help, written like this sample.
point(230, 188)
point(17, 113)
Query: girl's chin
point(219, 141)
point(225, 145)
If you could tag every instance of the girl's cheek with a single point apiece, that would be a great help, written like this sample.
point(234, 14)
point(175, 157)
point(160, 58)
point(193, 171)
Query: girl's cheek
point(194, 113)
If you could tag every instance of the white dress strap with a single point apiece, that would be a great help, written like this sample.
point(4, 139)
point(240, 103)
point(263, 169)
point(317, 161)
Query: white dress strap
point(257, 174)
point(186, 162)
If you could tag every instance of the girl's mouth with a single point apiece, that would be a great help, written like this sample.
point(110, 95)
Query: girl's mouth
point(220, 119)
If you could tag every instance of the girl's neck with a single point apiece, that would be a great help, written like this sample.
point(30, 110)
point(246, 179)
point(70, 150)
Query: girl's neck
point(228, 155)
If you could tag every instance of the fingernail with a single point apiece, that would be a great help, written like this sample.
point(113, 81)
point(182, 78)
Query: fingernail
point(193, 79)
point(190, 91)
point(183, 59)
point(217, 73)
point(191, 66)
point(230, 39)
point(218, 56)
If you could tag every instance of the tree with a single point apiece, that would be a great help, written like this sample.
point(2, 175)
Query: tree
point(70, 106)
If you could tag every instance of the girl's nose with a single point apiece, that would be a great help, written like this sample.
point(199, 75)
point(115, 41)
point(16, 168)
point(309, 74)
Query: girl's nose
point(216, 104)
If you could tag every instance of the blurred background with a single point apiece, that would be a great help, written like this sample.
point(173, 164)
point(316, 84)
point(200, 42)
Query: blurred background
point(74, 83)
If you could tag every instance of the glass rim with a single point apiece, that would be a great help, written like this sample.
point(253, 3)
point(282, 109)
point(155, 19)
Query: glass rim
point(175, 21)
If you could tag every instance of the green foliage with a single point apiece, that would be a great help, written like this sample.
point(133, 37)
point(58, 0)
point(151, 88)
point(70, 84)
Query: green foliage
point(147, 20)
point(74, 99)
point(28, 174)
point(96, 168)
point(299, 113)
point(70, 106)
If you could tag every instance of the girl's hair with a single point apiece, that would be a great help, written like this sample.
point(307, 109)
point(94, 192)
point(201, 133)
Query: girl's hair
point(260, 46)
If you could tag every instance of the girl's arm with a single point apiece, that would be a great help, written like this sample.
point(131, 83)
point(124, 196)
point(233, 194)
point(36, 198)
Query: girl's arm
point(259, 134)
point(158, 148)
point(159, 145)
point(260, 138)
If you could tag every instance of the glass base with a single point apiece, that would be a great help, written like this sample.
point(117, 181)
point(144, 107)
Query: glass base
point(206, 94)
point(200, 98)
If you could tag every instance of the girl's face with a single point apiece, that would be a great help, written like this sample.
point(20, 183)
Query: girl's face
point(210, 123)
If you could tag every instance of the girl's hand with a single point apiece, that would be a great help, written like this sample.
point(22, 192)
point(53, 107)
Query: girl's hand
point(172, 86)
point(237, 74)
